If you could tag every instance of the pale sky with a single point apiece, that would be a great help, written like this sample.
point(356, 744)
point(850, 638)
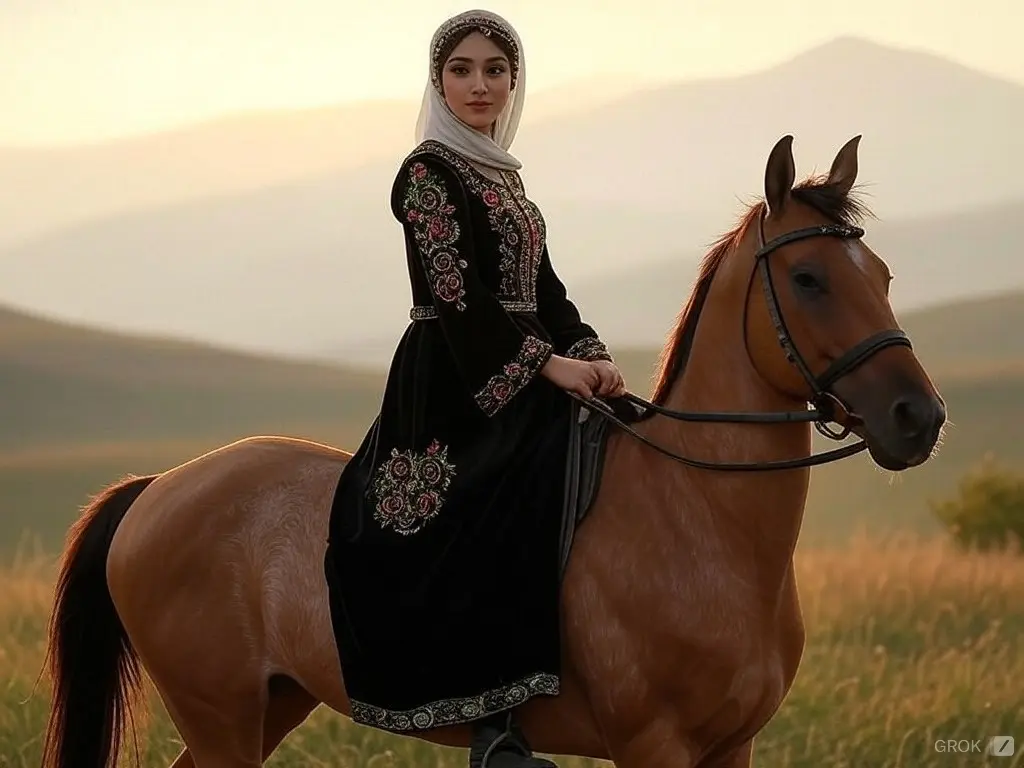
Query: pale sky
point(80, 70)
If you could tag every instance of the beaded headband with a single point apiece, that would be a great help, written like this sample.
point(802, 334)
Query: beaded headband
point(483, 24)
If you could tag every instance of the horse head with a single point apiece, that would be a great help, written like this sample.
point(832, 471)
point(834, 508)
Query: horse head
point(819, 326)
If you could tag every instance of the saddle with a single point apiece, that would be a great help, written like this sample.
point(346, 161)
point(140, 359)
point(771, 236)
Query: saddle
point(588, 440)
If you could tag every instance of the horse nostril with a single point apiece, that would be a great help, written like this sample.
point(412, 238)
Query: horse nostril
point(910, 418)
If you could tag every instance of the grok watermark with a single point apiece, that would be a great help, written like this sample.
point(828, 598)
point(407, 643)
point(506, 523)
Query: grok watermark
point(996, 746)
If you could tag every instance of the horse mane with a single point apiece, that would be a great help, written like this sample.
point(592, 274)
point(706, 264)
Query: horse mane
point(816, 192)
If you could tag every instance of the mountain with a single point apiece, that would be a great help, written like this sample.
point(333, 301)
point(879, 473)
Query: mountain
point(938, 137)
point(282, 271)
point(43, 189)
point(316, 263)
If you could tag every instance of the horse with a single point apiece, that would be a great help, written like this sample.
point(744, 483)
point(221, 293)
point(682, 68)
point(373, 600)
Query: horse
point(682, 630)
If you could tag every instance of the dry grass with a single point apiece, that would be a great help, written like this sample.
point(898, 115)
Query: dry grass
point(909, 641)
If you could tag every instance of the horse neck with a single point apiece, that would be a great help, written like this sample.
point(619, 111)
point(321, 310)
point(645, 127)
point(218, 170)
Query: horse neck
point(758, 513)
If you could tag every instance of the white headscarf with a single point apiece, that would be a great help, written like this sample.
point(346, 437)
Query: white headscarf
point(436, 120)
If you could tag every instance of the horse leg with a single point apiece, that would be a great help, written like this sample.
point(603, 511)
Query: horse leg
point(225, 731)
point(738, 757)
point(658, 745)
point(289, 705)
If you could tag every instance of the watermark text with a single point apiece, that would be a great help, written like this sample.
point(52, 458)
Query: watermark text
point(996, 746)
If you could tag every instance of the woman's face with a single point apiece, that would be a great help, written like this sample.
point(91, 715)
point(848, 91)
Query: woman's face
point(477, 80)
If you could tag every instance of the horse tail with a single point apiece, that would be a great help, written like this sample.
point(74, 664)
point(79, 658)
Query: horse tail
point(94, 669)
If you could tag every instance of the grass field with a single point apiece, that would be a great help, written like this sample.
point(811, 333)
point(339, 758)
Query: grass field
point(908, 642)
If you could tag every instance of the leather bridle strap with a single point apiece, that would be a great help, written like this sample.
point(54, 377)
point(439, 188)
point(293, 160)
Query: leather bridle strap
point(825, 402)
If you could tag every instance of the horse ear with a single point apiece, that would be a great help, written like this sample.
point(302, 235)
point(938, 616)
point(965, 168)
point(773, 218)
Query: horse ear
point(843, 173)
point(779, 174)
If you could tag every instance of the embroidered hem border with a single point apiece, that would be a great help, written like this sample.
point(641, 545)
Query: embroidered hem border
point(458, 710)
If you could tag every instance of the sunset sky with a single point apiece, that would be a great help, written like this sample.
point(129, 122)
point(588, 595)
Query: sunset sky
point(75, 70)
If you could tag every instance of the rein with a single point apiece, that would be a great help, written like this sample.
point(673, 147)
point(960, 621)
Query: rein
point(825, 402)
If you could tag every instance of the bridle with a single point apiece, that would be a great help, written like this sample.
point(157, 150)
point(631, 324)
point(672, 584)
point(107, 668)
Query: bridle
point(825, 403)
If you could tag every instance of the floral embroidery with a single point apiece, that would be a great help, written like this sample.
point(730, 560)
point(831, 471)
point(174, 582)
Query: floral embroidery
point(458, 710)
point(589, 348)
point(515, 375)
point(436, 231)
point(515, 219)
point(409, 488)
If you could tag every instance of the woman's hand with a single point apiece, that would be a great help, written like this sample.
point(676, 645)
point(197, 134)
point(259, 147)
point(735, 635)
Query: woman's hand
point(572, 375)
point(610, 381)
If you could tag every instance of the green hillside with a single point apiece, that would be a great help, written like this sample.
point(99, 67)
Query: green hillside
point(82, 407)
point(62, 384)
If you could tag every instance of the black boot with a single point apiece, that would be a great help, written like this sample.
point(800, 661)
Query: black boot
point(498, 742)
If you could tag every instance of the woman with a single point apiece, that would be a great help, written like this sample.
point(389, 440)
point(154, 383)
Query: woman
point(443, 557)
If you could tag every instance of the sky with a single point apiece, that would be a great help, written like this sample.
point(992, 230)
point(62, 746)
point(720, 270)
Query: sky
point(76, 71)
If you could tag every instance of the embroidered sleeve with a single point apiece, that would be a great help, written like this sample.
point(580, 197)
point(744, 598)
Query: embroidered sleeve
point(496, 359)
point(572, 337)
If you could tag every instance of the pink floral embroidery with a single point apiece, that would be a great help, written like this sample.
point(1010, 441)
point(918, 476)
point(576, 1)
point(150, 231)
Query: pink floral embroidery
point(514, 375)
point(491, 198)
point(437, 232)
point(515, 220)
point(410, 487)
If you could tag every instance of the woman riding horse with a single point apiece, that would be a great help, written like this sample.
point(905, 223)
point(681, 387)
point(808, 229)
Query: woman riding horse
point(443, 559)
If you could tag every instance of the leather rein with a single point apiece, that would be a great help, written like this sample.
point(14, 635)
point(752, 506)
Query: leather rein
point(824, 402)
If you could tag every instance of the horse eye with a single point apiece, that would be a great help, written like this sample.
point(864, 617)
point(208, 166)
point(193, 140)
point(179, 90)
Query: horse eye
point(807, 282)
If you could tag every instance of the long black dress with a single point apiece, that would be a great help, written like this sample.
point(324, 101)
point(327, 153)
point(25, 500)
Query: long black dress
point(442, 561)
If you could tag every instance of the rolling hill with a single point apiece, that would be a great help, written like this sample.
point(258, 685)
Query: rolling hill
point(82, 407)
point(633, 180)
point(959, 340)
point(70, 386)
point(283, 273)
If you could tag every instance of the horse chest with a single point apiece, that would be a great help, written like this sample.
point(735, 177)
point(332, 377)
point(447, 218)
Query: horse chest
point(738, 668)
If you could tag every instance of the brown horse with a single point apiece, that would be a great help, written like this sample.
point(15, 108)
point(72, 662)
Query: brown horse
point(682, 628)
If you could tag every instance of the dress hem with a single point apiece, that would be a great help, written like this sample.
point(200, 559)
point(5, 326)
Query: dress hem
point(456, 711)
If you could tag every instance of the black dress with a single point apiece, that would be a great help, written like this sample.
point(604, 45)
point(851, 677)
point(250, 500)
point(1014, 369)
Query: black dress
point(443, 556)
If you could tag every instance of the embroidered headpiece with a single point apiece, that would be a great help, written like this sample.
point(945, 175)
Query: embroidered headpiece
point(466, 24)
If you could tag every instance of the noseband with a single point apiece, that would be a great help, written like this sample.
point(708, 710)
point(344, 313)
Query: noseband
point(826, 404)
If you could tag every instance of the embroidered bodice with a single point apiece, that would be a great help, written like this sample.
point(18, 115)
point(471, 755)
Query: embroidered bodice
point(504, 221)
point(477, 259)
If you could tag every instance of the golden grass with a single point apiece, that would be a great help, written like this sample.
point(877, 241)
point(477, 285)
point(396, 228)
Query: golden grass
point(909, 641)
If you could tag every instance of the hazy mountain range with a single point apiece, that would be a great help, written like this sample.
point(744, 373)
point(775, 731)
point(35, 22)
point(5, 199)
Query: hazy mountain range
point(272, 232)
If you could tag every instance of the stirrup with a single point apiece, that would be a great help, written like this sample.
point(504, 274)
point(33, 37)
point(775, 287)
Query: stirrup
point(508, 736)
